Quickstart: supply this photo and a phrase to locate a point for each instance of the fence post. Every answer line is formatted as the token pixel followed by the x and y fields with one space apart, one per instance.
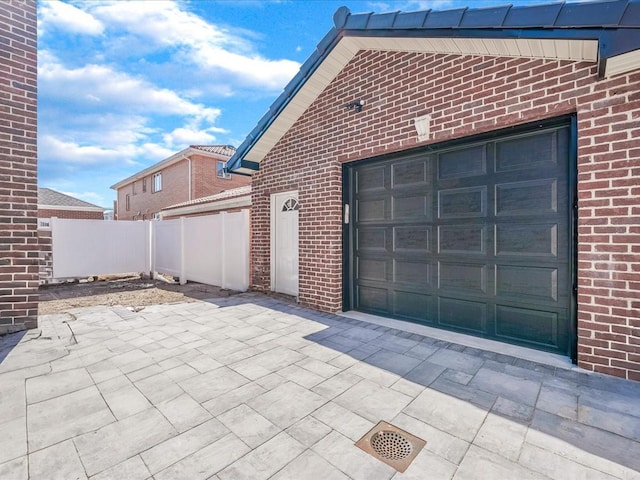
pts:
pixel 183 263
pixel 223 248
pixel 152 250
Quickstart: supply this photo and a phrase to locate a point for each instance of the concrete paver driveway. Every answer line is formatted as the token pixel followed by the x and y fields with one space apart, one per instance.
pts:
pixel 250 387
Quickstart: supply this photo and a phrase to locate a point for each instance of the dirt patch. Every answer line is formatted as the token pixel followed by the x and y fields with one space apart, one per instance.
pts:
pixel 131 291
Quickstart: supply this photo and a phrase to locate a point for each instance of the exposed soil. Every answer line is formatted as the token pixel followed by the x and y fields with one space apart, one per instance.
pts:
pixel 130 291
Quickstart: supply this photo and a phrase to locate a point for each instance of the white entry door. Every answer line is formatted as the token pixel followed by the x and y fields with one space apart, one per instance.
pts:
pixel 284 243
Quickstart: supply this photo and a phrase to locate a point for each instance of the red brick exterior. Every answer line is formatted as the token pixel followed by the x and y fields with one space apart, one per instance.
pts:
pixel 18 165
pixel 467 95
pixel 75 214
pixel 175 187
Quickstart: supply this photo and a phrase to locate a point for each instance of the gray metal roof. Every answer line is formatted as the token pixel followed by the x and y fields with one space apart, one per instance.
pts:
pixel 51 198
pixel 615 25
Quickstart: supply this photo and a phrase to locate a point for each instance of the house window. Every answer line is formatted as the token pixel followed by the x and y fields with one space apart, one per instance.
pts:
pixel 220 170
pixel 144 184
pixel 133 188
pixel 127 203
pixel 290 205
pixel 157 182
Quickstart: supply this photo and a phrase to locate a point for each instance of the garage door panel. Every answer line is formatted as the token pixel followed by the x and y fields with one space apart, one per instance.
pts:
pixel 535 197
pixel 466 162
pixel 371 210
pixel 371 179
pixel 463 278
pixel 372 269
pixel 462 202
pixel 413 239
pixel 462 239
pixel 412 272
pixel 412 306
pixel 373 240
pixel 526 240
pixel 537 327
pixel 409 173
pixel 462 314
pixel 474 238
pixel 526 283
pixel 529 152
pixel 373 299
pixel 411 207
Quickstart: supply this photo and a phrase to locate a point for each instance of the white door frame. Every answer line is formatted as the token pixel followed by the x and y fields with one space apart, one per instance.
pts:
pixel 274 212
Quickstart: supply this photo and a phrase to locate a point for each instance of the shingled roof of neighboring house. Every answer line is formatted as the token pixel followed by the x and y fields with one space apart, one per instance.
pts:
pixel 51 200
pixel 226 150
pixel 606 33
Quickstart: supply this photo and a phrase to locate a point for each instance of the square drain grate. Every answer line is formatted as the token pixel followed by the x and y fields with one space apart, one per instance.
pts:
pixel 391 445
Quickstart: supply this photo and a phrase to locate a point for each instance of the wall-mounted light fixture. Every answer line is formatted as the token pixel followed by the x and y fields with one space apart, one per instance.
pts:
pixel 422 127
pixel 357 105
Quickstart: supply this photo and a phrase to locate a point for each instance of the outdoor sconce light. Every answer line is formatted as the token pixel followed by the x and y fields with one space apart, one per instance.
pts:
pixel 357 105
pixel 422 126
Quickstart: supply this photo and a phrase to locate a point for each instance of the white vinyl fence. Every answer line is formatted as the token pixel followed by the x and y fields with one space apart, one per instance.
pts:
pixel 211 249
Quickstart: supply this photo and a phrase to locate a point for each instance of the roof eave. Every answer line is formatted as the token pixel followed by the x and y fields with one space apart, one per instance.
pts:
pixel 617 32
pixel 167 162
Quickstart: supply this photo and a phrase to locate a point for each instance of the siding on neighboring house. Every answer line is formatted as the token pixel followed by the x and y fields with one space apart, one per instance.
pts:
pixel 19 263
pixel 177 185
pixel 468 95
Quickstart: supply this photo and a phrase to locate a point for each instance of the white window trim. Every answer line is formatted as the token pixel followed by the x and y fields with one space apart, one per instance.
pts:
pixel 222 173
pixel 156 183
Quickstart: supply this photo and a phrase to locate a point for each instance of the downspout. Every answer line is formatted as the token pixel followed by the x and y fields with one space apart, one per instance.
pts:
pixel 188 159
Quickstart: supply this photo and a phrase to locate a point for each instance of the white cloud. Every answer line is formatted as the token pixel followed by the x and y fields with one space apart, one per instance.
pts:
pixel 67 17
pixel 100 86
pixel 70 152
pixel 191 135
pixel 91 197
pixel 193 40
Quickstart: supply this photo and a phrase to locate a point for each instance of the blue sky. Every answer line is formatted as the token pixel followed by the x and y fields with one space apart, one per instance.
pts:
pixel 125 84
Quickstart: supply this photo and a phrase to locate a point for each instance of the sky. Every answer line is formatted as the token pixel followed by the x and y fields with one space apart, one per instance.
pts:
pixel 123 85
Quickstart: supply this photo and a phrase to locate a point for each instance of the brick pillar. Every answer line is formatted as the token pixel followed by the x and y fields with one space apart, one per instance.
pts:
pixel 19 250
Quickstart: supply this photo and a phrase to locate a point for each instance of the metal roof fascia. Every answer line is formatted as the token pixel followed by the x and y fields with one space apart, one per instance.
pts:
pixel 616 42
pixel 323 50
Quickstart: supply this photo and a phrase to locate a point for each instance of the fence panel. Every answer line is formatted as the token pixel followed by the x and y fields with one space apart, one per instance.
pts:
pixel 82 248
pixel 167 247
pixel 211 249
pixel 236 250
pixel 203 254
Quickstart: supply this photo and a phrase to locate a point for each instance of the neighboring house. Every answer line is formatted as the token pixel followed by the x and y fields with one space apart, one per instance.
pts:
pixel 19 161
pixel 232 200
pixel 55 204
pixel 472 169
pixel 195 172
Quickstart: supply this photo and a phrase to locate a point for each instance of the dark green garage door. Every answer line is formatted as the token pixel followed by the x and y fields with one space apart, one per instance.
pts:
pixel 473 238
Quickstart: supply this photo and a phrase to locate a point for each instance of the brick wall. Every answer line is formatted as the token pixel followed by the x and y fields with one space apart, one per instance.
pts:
pixel 205 181
pixel 74 214
pixel 467 95
pixel 18 161
pixel 175 189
